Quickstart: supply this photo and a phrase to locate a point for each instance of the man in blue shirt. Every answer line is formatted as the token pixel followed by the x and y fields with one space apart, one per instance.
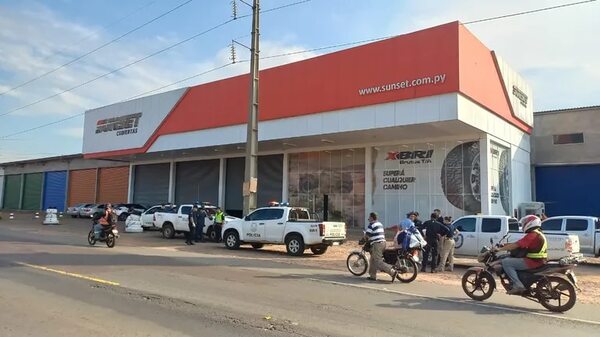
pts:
pixel 376 235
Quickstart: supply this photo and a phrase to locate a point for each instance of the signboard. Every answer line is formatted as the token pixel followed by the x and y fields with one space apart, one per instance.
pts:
pixel 424 177
pixel 500 183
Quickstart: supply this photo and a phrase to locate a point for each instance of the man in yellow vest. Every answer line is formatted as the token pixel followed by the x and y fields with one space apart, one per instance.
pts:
pixel 534 244
pixel 219 220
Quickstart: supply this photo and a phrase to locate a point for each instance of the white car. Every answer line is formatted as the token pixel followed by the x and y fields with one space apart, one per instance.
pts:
pixel 74 210
pixel 123 210
pixel 174 220
pixel 283 225
pixel 587 228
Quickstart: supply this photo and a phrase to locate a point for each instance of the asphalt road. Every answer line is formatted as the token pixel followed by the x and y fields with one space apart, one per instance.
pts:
pixel 53 284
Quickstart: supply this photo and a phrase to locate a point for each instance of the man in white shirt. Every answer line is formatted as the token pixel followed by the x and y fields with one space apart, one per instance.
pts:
pixel 376 235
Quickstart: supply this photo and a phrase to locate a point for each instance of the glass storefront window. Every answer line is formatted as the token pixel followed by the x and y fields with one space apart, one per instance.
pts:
pixel 339 174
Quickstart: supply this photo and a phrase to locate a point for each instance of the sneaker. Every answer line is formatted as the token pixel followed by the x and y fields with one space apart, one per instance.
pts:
pixel 371 278
pixel 516 291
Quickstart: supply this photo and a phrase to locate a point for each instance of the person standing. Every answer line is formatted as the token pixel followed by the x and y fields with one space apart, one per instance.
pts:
pixel 189 236
pixel 440 218
pixel 433 231
pixel 200 219
pixel 219 220
pixel 376 236
pixel 447 246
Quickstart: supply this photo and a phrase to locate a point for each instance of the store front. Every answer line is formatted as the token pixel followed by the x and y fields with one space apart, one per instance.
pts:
pixel 439 127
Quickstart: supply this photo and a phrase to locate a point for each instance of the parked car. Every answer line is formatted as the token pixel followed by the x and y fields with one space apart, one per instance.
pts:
pixel 174 220
pixel 587 228
pixel 284 225
pixel 475 231
pixel 74 210
pixel 123 210
pixel 87 211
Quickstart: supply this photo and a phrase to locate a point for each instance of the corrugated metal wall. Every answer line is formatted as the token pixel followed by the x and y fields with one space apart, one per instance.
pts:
pixel 12 191
pixel 82 186
pixel 197 181
pixel 234 180
pixel 568 190
pixel 113 185
pixel 32 191
pixel 151 184
pixel 55 190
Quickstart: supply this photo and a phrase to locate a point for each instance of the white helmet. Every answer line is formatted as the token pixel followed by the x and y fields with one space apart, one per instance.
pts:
pixel 530 222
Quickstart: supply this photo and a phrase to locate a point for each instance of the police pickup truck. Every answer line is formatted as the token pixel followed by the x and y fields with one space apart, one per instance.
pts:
pixel 282 224
pixel 475 231
pixel 174 219
pixel 587 228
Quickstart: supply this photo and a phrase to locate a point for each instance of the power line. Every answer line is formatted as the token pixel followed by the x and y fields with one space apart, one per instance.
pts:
pixel 96 49
pixel 528 12
pixel 145 58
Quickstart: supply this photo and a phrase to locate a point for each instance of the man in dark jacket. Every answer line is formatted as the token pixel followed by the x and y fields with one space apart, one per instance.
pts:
pixel 433 232
pixel 189 236
pixel 200 218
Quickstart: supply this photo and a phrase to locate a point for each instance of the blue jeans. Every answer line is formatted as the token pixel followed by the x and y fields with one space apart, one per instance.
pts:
pixel 510 266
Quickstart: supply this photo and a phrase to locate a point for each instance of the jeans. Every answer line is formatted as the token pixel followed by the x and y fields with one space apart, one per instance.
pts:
pixel 510 266
pixel 218 228
pixel 376 262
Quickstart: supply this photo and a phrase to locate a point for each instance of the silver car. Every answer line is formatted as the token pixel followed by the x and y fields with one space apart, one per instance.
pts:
pixel 88 210
pixel 74 210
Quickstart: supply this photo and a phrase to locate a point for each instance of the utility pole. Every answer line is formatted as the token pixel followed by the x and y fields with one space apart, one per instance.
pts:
pixel 251 172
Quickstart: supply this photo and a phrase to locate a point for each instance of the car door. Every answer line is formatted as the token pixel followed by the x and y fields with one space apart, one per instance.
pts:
pixel 581 228
pixel 491 228
pixel 466 239
pixel 148 216
pixel 183 218
pixel 254 225
pixel 275 225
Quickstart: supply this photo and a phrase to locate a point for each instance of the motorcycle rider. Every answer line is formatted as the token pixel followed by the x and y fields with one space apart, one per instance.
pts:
pixel 534 244
pixel 103 219
pixel 376 235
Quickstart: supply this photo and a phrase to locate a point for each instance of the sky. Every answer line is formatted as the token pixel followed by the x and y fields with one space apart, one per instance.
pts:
pixel 555 51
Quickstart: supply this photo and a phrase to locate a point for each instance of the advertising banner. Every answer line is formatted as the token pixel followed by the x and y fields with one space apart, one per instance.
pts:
pixel 423 177
pixel 500 183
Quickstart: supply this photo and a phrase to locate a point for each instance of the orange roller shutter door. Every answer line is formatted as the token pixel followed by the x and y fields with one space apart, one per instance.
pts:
pixel 113 185
pixel 82 186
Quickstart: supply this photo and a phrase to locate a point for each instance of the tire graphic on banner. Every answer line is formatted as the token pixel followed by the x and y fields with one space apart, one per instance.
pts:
pixel 504 179
pixel 459 240
pixel 461 177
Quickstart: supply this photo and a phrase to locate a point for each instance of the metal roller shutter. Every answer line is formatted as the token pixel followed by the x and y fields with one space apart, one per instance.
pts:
pixel 569 196
pixel 32 191
pixel 270 179
pixel 113 185
pixel 197 181
pixel 82 186
pixel 151 184
pixel 55 190
pixel 12 191
pixel 234 180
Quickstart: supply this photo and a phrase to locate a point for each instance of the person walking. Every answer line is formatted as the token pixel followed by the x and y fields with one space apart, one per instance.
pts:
pixel 433 231
pixel 376 236
pixel 219 220
pixel 200 219
pixel 447 246
pixel 189 236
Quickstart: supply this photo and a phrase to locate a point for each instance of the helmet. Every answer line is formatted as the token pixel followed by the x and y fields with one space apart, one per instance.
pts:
pixel 530 222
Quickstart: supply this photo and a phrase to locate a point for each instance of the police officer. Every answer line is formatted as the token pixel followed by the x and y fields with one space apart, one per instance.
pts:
pixel 189 236
pixel 200 218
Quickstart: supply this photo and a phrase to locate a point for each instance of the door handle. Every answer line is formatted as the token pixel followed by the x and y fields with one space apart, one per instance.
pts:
pixel 261 223
pixel 280 223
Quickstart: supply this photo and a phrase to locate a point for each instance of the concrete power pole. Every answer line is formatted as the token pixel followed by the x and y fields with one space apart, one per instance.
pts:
pixel 251 173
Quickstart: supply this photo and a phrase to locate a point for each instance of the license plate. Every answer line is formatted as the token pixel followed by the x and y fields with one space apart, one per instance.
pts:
pixel 336 243
pixel 334 233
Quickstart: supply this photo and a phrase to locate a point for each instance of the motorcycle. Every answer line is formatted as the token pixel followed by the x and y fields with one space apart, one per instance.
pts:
pixel 552 285
pixel 107 234
pixel 405 261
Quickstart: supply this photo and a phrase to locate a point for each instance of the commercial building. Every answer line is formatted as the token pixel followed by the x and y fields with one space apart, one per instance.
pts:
pixel 567 160
pixel 430 119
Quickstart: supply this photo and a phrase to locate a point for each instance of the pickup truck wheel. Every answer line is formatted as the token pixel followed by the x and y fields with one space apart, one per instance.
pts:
pixel 257 245
pixel 232 240
pixel 212 235
pixel 168 231
pixel 294 245
pixel 319 250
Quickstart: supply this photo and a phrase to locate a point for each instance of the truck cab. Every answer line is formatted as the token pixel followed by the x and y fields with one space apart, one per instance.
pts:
pixel 585 227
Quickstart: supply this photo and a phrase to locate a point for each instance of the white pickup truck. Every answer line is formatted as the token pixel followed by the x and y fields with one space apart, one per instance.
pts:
pixel 291 226
pixel 587 228
pixel 475 231
pixel 174 220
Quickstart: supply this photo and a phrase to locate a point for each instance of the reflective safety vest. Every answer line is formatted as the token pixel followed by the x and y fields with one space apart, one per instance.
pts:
pixel 219 217
pixel 542 253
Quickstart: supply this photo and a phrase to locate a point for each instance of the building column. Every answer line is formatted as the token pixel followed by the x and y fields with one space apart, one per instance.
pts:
pixel 96 186
pixel 22 191
pixel 484 174
pixel 222 182
pixel 172 182
pixel 368 182
pixel 1 188
pixel 131 184
pixel 285 182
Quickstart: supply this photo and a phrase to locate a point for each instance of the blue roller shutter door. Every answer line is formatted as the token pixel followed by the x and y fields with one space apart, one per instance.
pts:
pixel 55 190
pixel 568 190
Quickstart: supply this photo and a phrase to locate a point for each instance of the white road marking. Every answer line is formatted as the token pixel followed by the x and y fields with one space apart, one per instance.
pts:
pixel 485 305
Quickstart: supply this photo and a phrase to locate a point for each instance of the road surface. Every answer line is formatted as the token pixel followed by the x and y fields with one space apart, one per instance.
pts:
pixel 53 284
